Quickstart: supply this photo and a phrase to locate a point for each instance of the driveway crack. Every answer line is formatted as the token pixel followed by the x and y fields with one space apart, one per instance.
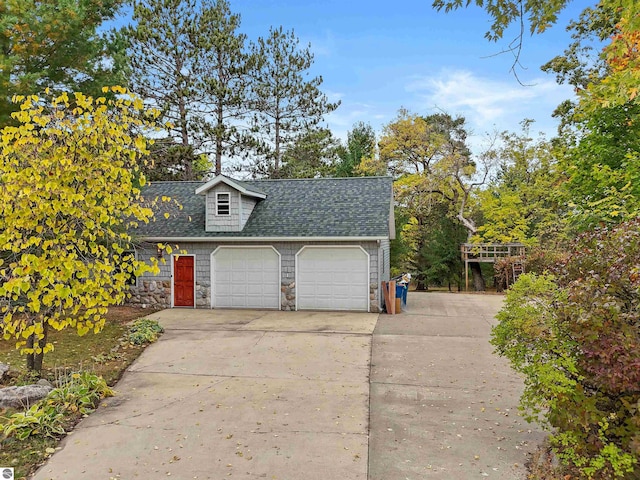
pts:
pixel 166 405
pixel 261 337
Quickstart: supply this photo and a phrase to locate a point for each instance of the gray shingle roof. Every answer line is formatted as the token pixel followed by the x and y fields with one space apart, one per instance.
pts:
pixel 325 207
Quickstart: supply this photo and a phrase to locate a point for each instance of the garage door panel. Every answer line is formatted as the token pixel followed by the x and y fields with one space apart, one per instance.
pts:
pixel 223 289
pixel 224 277
pixel 239 277
pixel 333 279
pixel 246 278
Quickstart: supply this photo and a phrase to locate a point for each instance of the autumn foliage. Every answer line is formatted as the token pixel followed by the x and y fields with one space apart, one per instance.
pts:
pixel 69 188
pixel 575 334
pixel 623 58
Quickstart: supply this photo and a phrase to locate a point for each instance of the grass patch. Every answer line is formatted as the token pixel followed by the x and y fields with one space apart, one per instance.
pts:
pixel 106 354
pixel 92 352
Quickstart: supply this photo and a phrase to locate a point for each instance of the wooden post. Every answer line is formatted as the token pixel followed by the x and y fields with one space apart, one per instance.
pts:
pixel 466 275
pixel 385 292
pixel 392 297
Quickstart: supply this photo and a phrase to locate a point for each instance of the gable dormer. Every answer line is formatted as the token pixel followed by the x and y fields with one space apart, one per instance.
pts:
pixel 228 204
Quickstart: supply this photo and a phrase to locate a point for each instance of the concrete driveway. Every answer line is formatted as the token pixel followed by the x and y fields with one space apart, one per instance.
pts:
pixel 234 394
pixel 442 404
pixel 304 396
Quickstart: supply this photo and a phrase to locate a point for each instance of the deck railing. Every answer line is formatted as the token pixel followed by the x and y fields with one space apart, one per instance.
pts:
pixel 488 252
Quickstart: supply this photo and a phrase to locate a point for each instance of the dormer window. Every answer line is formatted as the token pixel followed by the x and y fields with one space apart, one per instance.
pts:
pixel 228 204
pixel 223 201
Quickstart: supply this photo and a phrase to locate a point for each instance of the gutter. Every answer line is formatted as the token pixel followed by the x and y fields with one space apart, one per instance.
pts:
pixel 263 239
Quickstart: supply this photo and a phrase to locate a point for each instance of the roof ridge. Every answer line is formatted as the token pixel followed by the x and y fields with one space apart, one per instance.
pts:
pixel 372 177
pixel 314 179
pixel 149 182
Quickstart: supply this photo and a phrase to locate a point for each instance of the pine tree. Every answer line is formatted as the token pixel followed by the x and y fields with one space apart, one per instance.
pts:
pixel 226 80
pixel 188 60
pixel 166 70
pixel 285 101
pixel 55 45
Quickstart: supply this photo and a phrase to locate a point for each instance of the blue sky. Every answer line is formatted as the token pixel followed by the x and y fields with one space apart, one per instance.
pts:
pixel 379 56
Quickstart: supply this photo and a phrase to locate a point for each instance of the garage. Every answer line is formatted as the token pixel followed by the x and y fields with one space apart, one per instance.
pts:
pixel 332 278
pixel 245 277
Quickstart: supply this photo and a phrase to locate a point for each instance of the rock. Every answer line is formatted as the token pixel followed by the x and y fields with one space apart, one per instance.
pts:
pixel 24 396
pixel 4 369
pixel 44 382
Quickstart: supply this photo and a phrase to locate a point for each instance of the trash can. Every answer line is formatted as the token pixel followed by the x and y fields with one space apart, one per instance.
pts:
pixel 401 292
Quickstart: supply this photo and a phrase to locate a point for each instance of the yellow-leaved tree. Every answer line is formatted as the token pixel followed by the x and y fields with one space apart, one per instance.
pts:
pixel 69 189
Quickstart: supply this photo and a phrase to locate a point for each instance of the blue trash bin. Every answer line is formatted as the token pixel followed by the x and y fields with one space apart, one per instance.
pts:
pixel 401 292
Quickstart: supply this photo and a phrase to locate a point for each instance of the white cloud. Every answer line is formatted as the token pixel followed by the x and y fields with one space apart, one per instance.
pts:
pixel 322 45
pixel 333 96
pixel 341 120
pixel 488 103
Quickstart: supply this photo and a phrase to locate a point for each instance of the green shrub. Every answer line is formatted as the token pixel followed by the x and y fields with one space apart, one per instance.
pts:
pixel 144 331
pixel 79 394
pixel 574 333
pixel 27 377
pixel 40 419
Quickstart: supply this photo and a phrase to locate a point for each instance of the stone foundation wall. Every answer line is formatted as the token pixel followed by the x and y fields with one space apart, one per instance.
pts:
pixel 151 293
pixel 203 296
pixel 288 296
pixel 374 306
pixel 157 293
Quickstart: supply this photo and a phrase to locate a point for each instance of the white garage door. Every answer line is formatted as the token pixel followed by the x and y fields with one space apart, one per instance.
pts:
pixel 245 278
pixel 332 278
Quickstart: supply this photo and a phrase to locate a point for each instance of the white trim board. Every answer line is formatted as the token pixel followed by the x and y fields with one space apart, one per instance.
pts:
pixel 221 239
pixel 222 179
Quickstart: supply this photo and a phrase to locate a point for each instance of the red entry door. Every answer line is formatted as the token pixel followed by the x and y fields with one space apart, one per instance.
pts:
pixel 183 281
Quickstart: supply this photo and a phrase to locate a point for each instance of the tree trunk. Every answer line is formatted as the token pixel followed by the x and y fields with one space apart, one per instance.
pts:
pixel 34 360
pixel 220 128
pixel 421 285
pixel 219 135
pixel 276 160
pixel 38 357
pixel 30 356
pixel 478 279
pixel 184 133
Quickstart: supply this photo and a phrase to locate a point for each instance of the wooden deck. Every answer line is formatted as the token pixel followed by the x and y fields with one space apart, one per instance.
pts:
pixel 487 253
